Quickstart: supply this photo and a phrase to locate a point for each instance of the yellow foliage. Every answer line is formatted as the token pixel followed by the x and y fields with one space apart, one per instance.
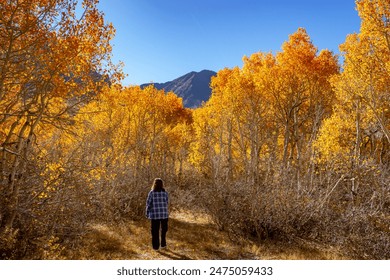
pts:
pixel 135 127
pixel 268 107
pixel 334 143
pixel 365 78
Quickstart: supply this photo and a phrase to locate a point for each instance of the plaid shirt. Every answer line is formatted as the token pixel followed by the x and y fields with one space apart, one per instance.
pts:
pixel 157 205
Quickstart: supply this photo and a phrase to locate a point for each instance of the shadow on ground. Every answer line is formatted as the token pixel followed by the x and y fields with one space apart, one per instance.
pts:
pixel 189 237
pixel 169 254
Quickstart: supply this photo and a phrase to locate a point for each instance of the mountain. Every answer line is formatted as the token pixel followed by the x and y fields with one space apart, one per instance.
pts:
pixel 193 87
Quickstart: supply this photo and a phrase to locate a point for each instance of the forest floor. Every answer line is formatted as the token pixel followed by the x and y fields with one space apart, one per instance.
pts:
pixel 189 237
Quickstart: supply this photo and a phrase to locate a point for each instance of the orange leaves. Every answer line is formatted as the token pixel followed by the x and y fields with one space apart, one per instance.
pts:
pixel 298 52
pixel 363 86
pixel 362 91
pixel 333 143
pixel 375 17
pixel 50 62
pixel 272 98
pixel 136 127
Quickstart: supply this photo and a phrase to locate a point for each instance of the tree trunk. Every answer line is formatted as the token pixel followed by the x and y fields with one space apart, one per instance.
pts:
pixel 286 142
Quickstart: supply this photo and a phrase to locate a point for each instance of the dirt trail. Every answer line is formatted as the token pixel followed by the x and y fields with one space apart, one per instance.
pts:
pixel 190 237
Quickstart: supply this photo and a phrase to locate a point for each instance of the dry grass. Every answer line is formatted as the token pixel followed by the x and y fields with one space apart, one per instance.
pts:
pixel 190 237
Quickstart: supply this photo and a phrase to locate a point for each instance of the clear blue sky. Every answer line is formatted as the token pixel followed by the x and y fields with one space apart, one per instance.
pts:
pixel 160 40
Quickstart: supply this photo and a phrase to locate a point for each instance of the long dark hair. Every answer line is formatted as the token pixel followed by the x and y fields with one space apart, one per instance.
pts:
pixel 158 185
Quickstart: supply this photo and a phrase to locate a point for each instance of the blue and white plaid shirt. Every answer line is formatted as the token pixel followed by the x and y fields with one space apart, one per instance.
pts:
pixel 157 205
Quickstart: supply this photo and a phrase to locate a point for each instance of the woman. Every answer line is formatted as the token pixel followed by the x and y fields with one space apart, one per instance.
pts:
pixel 157 212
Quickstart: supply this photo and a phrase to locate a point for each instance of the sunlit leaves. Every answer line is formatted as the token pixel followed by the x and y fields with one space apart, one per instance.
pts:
pixel 134 128
pixel 271 108
pixel 51 61
pixel 362 89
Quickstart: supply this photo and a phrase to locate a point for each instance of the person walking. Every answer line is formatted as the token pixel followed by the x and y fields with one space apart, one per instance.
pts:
pixel 157 212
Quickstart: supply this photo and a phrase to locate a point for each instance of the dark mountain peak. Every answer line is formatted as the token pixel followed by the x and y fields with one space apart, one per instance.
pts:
pixel 193 87
pixel 206 72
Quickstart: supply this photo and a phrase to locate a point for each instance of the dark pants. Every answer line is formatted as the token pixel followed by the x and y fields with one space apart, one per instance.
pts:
pixel 156 225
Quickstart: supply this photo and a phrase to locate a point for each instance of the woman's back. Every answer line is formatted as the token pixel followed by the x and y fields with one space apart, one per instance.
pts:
pixel 157 205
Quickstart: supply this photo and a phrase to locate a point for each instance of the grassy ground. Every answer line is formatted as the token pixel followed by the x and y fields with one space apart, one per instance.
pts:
pixel 190 237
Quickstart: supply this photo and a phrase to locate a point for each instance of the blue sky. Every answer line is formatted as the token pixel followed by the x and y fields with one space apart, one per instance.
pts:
pixel 160 40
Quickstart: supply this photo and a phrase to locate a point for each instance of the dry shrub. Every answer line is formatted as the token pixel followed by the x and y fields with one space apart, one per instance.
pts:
pixel 51 218
pixel 186 191
pixel 8 239
pixel 326 213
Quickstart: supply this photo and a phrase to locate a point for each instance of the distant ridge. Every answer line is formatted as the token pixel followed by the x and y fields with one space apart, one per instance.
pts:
pixel 193 87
